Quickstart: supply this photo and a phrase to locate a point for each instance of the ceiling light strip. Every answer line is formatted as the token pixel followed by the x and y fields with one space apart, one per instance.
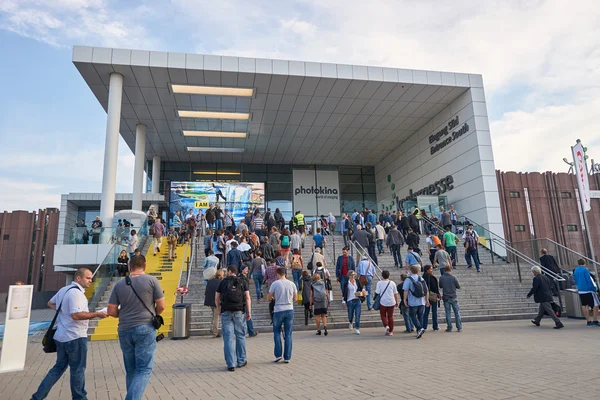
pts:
pixel 213 90
pixel 215 173
pixel 213 115
pixel 217 149
pixel 215 134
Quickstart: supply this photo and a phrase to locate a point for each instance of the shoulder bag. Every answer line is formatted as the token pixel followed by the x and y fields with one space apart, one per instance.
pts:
pixel 310 264
pixel 377 298
pixel 48 341
pixel 363 278
pixel 157 320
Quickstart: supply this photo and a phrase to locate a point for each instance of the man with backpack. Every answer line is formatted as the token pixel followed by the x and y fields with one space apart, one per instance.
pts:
pixel 172 238
pixel 232 295
pixel 471 251
pixel 416 297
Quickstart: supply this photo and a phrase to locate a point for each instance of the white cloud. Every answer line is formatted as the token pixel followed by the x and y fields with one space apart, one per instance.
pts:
pixel 539 140
pixel 63 22
pixel 26 195
pixel 546 51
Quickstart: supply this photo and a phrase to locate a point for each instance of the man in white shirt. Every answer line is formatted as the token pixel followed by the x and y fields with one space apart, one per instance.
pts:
pixel 380 236
pixel 71 335
pixel 132 243
pixel 295 240
pixel 285 294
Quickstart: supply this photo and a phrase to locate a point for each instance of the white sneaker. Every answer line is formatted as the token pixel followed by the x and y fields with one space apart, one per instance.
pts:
pixel 357 332
pixel 350 325
pixel 277 359
pixel 387 330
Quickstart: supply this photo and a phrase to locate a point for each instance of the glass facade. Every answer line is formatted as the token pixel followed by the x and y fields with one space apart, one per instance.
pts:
pixel 357 183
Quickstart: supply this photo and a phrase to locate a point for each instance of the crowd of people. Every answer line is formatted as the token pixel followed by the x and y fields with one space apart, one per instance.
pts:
pixel 264 253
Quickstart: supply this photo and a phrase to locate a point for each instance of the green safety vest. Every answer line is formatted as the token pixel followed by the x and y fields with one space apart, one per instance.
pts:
pixel 300 219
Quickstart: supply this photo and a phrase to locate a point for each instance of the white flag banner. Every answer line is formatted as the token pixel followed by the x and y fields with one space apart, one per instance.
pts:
pixel 582 176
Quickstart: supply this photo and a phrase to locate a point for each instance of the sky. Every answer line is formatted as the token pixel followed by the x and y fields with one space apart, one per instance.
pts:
pixel 540 61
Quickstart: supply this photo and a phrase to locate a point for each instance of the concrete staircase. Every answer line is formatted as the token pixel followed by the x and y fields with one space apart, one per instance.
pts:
pixel 493 294
pixel 168 274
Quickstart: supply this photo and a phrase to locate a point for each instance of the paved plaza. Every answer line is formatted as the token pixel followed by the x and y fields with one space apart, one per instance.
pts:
pixel 488 360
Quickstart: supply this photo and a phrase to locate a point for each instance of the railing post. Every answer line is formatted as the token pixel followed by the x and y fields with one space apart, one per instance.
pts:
pixel 519 270
pixel 492 249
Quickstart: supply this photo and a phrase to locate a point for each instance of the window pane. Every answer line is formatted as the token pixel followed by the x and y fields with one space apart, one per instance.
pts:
pixel 350 179
pixel 279 187
pixel 346 189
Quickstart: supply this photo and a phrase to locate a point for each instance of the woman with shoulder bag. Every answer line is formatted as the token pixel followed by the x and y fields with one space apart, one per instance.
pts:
pixel 353 294
pixel 386 294
pixel 434 298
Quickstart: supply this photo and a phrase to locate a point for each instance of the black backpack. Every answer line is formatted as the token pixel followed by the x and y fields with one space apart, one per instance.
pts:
pixel 233 298
pixel 419 288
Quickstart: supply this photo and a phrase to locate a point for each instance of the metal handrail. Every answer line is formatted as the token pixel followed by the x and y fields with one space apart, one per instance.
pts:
pixel 361 250
pixel 509 248
pixel 562 247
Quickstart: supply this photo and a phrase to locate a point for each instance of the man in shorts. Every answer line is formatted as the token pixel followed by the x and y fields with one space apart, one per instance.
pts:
pixel 588 292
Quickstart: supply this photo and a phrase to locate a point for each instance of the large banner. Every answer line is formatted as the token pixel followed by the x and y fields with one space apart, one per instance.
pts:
pixel 237 197
pixel 305 199
pixel 328 196
pixel 582 175
pixel 316 193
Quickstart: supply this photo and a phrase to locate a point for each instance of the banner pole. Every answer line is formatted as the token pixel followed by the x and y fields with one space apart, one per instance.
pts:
pixel 591 254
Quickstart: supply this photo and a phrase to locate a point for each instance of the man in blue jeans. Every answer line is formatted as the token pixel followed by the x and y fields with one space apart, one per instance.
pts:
pixel 416 298
pixel 71 336
pixel 232 295
pixel 140 298
pixel 366 267
pixel 285 294
pixel 449 284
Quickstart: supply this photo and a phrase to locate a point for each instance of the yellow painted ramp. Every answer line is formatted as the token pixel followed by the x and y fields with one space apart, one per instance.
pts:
pixel 169 281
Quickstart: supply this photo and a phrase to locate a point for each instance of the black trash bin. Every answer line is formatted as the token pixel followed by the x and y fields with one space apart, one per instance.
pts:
pixel 182 315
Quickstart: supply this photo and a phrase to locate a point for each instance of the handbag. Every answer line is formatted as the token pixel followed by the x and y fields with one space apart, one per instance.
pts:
pixel 377 298
pixel 433 297
pixel 310 263
pixel 363 278
pixel 157 320
pixel 300 298
pixel 48 341
pixel 220 245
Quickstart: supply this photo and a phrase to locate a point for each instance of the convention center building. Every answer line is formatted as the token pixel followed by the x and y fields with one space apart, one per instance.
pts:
pixel 317 137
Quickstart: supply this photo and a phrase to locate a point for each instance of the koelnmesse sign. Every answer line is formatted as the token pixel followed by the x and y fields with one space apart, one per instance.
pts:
pixel 447 134
pixel 435 189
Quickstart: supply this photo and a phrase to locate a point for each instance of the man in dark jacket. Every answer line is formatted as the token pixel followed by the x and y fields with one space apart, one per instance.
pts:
pixel 403 225
pixel 413 221
pixel 209 301
pixel 549 262
pixel 395 241
pixel 362 237
pixel 234 256
pixel 542 294
pixel 343 265
pixel 412 240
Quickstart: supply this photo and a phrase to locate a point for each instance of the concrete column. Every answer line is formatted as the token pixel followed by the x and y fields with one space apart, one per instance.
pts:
pixel 111 149
pixel 156 179
pixel 155 174
pixel 138 167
